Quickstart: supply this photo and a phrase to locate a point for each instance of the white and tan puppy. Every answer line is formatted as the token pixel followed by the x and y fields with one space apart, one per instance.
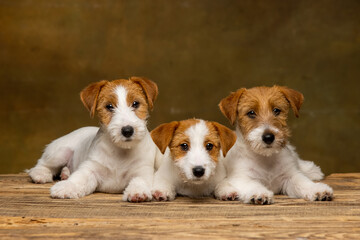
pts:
pixel 117 157
pixel 262 162
pixel 192 165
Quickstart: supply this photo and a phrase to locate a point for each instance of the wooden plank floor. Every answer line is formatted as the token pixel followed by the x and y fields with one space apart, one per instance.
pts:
pixel 27 212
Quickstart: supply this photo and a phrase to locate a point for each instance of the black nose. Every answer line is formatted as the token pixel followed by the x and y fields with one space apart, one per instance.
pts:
pixel 127 131
pixel 198 171
pixel 268 138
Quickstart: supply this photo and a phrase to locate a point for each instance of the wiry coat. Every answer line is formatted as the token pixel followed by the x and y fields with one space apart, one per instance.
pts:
pixel 262 162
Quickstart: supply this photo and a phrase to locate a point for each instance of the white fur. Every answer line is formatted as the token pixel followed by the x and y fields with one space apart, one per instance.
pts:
pixel 256 178
pixel 102 159
pixel 176 177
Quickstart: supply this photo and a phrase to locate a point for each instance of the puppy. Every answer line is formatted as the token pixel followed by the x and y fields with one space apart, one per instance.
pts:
pixel 192 164
pixel 262 162
pixel 119 156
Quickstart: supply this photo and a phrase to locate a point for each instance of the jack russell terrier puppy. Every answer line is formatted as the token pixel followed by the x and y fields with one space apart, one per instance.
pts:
pixel 262 162
pixel 117 157
pixel 192 165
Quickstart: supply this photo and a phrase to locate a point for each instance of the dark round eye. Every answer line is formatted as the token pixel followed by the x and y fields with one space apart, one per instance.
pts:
pixel 276 111
pixel 251 114
pixel 184 146
pixel 135 104
pixel 209 146
pixel 110 107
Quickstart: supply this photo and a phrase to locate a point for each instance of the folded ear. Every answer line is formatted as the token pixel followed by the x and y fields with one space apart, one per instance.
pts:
pixel 149 87
pixel 163 134
pixel 89 96
pixel 228 105
pixel 227 137
pixel 295 98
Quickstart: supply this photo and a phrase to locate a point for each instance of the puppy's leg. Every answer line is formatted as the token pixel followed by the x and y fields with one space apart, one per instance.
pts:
pixel 139 188
pixel 81 183
pixel 164 183
pixel 250 191
pixel 50 163
pixel 300 186
pixel 310 170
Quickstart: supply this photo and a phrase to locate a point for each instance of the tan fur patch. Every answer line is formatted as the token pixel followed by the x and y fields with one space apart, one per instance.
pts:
pixel 89 96
pixel 180 137
pixel 228 105
pixel 135 93
pixel 163 134
pixel 107 96
pixel 227 137
pixel 149 88
pixel 213 138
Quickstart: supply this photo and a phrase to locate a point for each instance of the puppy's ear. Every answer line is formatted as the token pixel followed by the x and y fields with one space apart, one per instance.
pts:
pixel 228 105
pixel 149 87
pixel 89 96
pixel 163 134
pixel 227 137
pixel 295 98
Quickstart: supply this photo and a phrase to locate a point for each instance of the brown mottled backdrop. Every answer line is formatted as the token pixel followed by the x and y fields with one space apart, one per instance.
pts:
pixel 196 50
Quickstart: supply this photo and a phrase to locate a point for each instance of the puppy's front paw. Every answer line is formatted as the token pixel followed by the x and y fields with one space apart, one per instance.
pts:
pixel 230 196
pixel 161 195
pixel 226 192
pixel 260 198
pixel 321 192
pixel 137 191
pixel 40 175
pixel 137 197
pixel 324 196
pixel 65 189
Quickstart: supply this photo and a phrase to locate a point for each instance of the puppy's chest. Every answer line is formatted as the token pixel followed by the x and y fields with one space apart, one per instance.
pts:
pixel 270 175
pixel 194 190
pixel 118 174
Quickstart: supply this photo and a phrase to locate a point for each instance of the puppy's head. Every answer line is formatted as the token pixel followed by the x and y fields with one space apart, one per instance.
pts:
pixel 195 146
pixel 122 106
pixel 261 114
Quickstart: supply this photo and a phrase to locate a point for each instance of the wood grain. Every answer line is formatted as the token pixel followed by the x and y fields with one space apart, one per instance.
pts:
pixel 27 212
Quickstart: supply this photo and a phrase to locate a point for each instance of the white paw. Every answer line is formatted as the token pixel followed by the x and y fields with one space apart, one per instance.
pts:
pixel 321 192
pixel 40 174
pixel 226 193
pixel 136 196
pixel 232 196
pixel 163 195
pixel 137 191
pixel 259 198
pixel 66 189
